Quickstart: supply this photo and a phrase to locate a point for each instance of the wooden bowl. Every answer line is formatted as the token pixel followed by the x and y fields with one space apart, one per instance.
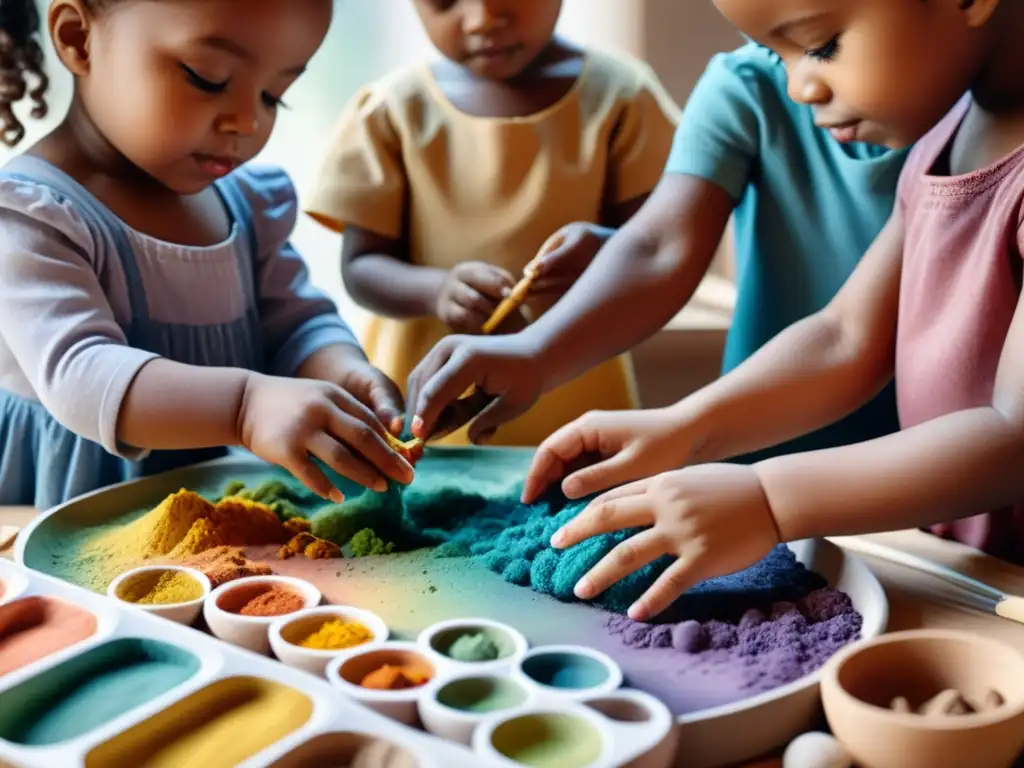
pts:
pixel 859 684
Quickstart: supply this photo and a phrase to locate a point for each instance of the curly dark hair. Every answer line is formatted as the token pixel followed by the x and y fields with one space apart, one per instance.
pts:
pixel 21 59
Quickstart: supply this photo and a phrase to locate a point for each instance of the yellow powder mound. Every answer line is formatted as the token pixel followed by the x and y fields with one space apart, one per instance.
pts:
pixel 185 524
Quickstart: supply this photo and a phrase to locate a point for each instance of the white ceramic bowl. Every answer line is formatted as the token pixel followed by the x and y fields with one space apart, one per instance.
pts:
pixel 568 672
pixel 454 707
pixel 183 613
pixel 346 672
pixel 585 736
pixel 288 631
pixel 437 639
pixel 251 632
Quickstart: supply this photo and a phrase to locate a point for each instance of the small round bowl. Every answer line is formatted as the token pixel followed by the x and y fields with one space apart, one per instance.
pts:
pixel 346 672
pixel 569 737
pixel 437 640
pixel 860 682
pixel 454 708
pixel 288 631
pixel 183 613
pixel 251 632
pixel 568 672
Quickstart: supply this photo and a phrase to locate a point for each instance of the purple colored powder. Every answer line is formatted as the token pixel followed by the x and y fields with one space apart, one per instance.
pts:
pixel 730 661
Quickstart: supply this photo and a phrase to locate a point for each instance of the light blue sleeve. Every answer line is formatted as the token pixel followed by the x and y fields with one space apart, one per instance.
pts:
pixel 298 319
pixel 719 134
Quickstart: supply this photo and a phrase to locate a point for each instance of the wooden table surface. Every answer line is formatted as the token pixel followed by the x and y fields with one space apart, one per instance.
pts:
pixel 915 600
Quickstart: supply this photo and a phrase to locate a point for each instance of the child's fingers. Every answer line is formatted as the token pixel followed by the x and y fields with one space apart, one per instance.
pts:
pixel 606 517
pixel 338 457
pixel 548 466
pixel 473 300
pixel 489 280
pixel 386 402
pixel 307 473
pixel 366 437
pixel 499 411
pixel 611 472
pixel 442 378
pixel 629 556
pixel 666 589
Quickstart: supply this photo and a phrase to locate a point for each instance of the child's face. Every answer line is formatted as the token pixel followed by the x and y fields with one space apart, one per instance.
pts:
pixel 495 39
pixel 878 71
pixel 188 89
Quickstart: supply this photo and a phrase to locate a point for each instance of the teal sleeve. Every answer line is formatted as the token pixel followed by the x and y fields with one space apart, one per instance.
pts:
pixel 719 135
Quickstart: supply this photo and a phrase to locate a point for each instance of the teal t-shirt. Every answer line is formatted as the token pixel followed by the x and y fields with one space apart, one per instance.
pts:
pixel 807 209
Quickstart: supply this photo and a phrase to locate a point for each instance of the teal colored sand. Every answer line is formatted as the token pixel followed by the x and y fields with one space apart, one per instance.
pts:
pixel 465 503
pixel 86 692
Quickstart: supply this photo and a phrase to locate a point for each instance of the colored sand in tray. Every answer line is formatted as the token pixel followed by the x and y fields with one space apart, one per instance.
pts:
pixel 218 726
pixel 482 694
pixel 761 652
pixel 87 691
pixel 548 741
pixel 33 628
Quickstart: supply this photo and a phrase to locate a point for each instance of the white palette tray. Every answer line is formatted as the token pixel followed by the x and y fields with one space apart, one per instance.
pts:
pixel 336 721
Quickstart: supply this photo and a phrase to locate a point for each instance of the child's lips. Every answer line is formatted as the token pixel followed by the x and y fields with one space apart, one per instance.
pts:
pixel 217 165
pixel 844 133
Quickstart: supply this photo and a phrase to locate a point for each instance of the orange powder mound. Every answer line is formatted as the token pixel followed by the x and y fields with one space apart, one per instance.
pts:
pixel 305 543
pixel 184 524
pixel 223 564
pixel 393 678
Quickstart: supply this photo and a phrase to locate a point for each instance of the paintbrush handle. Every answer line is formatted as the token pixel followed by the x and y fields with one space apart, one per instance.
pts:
pixel 1011 607
pixel 883 552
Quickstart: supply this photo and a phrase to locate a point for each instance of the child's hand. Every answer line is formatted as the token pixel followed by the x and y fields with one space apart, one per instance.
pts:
pixel 289 421
pixel 714 518
pixel 470 294
pixel 629 445
pixel 504 366
pixel 576 246
pixel 347 366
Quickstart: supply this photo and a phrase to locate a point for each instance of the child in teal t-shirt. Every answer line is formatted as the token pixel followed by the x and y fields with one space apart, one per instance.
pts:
pixel 805 208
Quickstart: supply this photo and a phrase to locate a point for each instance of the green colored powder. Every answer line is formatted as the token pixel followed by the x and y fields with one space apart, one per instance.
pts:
pixel 482 694
pixel 366 543
pixel 87 691
pixel 548 741
pixel 476 646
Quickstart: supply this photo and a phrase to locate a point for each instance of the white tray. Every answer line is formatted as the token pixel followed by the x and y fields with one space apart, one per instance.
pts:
pixel 626 743
pixel 718 736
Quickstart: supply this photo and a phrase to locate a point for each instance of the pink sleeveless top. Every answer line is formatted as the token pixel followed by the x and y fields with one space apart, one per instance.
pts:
pixel 960 284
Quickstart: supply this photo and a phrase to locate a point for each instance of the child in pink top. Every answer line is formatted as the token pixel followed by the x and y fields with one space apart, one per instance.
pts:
pixel 936 301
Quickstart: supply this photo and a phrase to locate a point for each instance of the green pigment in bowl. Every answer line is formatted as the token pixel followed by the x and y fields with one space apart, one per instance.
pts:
pixel 474 644
pixel 88 691
pixel 548 741
pixel 482 694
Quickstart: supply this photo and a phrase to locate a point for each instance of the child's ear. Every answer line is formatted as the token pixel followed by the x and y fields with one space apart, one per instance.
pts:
pixel 70 24
pixel 978 12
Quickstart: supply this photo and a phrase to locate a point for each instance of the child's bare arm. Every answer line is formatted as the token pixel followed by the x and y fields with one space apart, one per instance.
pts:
pixel 379 277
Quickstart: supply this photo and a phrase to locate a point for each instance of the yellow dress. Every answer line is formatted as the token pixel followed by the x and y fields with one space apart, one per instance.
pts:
pixel 404 161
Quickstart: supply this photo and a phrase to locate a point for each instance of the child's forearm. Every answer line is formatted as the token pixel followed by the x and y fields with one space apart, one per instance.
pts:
pixel 806 378
pixel 390 287
pixel 641 278
pixel 955 466
pixel 172 406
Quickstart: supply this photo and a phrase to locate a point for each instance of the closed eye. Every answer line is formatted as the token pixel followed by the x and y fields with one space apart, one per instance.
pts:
pixel 204 85
pixel 826 52
pixel 273 102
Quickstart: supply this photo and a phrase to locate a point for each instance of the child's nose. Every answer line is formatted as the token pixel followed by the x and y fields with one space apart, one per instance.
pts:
pixel 807 87
pixel 239 122
pixel 481 16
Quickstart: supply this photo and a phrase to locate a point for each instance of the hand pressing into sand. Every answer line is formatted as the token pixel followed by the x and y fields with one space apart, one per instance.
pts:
pixel 615 447
pixel 289 421
pixel 714 519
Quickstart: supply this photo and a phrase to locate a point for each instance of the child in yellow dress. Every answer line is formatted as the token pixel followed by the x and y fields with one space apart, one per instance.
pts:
pixel 447 178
